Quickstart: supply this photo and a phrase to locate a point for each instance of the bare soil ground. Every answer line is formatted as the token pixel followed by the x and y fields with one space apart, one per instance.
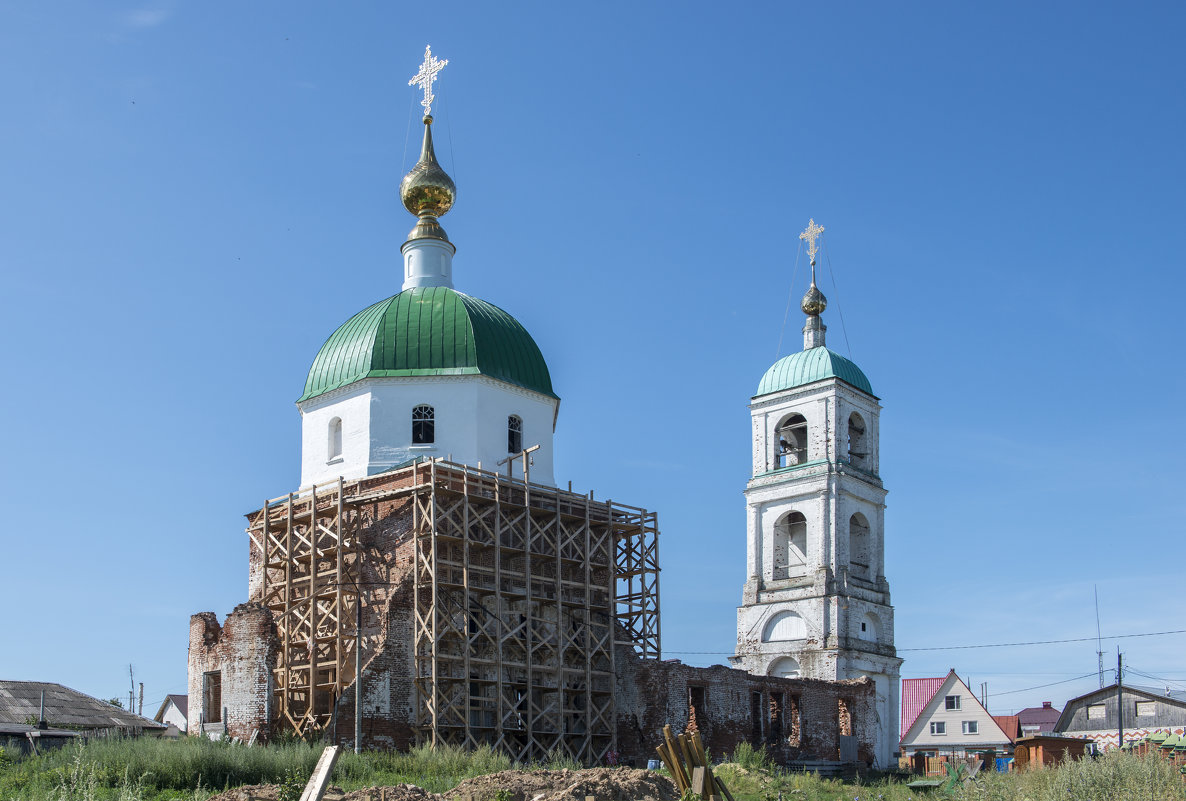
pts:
pixel 604 784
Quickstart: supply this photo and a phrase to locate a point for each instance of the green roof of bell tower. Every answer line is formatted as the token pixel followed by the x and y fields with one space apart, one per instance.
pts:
pixel 808 366
pixel 429 331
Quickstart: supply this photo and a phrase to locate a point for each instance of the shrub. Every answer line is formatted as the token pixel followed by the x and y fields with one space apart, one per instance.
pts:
pixel 751 758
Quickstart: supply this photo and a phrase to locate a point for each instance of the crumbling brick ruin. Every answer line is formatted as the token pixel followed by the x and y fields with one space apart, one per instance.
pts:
pixel 492 611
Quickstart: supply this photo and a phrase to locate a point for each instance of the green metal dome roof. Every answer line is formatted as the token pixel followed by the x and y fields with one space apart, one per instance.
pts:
pixel 429 331
pixel 806 366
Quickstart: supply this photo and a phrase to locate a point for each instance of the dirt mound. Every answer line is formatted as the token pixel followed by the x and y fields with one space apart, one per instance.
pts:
pixel 250 792
pixel 604 784
pixel 271 792
pixel 400 792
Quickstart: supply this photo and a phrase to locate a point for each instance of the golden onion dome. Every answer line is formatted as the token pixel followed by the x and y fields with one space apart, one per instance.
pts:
pixel 427 191
pixel 814 301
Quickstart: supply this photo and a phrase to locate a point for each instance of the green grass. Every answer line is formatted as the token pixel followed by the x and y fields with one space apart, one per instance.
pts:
pixel 192 769
pixel 148 769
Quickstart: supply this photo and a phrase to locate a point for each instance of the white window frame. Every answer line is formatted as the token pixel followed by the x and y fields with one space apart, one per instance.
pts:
pixel 1150 706
pixel 971 727
pixel 938 728
pixel 951 702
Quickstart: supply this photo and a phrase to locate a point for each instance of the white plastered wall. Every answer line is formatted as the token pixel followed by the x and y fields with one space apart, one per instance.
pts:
pixel 470 412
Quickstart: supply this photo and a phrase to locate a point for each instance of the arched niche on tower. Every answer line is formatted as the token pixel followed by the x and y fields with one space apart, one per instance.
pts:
pixel 857 441
pixel 784 668
pixel 867 627
pixel 857 429
pixel 784 626
pixel 790 441
pixel 860 546
pixel 789 553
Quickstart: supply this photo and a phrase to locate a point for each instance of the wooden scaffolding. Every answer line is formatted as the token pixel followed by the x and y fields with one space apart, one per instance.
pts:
pixel 310 557
pixel 521 593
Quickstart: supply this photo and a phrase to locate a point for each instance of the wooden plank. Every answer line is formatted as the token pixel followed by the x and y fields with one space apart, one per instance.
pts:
pixel 672 768
pixel 698 778
pixel 669 739
pixel 319 781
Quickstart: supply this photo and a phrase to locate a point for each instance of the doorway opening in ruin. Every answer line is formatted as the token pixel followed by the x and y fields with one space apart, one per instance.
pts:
pixel 755 713
pixel 776 711
pixel 212 697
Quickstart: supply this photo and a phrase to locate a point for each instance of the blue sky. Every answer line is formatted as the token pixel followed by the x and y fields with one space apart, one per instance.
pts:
pixel 195 196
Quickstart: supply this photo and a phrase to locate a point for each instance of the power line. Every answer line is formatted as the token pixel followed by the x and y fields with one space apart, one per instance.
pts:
pixel 1042 686
pixel 989 645
pixel 1044 642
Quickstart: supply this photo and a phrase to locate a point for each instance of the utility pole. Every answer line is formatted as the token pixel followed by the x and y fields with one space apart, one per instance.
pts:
pixel 1099 648
pixel 1120 694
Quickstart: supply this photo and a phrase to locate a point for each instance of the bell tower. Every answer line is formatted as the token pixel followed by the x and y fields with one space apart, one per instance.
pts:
pixel 816 602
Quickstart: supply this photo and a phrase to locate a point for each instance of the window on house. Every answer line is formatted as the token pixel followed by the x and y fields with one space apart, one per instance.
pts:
pixel 938 727
pixel 858 545
pixel 423 425
pixel 951 702
pixel 790 441
pixel 335 438
pixel 971 727
pixel 514 434
pixel 858 449
pixel 1146 709
pixel 212 696
pixel 1097 712
pixel 790 546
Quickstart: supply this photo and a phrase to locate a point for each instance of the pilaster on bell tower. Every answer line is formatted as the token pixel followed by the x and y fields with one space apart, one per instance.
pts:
pixel 816 602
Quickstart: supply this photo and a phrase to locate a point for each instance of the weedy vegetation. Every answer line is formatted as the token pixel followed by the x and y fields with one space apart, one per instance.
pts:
pixel 193 769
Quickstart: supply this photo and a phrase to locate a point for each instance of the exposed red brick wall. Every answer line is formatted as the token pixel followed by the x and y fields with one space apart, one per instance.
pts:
pixel 244 650
pixel 653 693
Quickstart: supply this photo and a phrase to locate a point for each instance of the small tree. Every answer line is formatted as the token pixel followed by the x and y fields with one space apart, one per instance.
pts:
pixel 116 702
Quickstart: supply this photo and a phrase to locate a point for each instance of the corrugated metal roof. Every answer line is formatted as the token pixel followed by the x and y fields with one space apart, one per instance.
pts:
pixel 429 331
pixel 916 694
pixel 807 366
pixel 21 700
pixel 1010 724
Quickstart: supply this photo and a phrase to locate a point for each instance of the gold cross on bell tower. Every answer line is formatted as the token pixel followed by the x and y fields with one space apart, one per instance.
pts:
pixel 810 235
pixel 427 74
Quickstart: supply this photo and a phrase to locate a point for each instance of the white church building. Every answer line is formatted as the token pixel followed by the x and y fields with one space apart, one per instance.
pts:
pixel 430 372
pixel 816 603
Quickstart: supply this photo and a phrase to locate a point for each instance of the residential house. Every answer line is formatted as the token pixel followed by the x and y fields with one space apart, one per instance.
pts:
pixel 174 712
pixel 32 703
pixel 1038 719
pixel 1140 711
pixel 953 722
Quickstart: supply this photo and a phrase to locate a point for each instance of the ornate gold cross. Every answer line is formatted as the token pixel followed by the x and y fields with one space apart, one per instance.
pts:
pixel 425 77
pixel 809 235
